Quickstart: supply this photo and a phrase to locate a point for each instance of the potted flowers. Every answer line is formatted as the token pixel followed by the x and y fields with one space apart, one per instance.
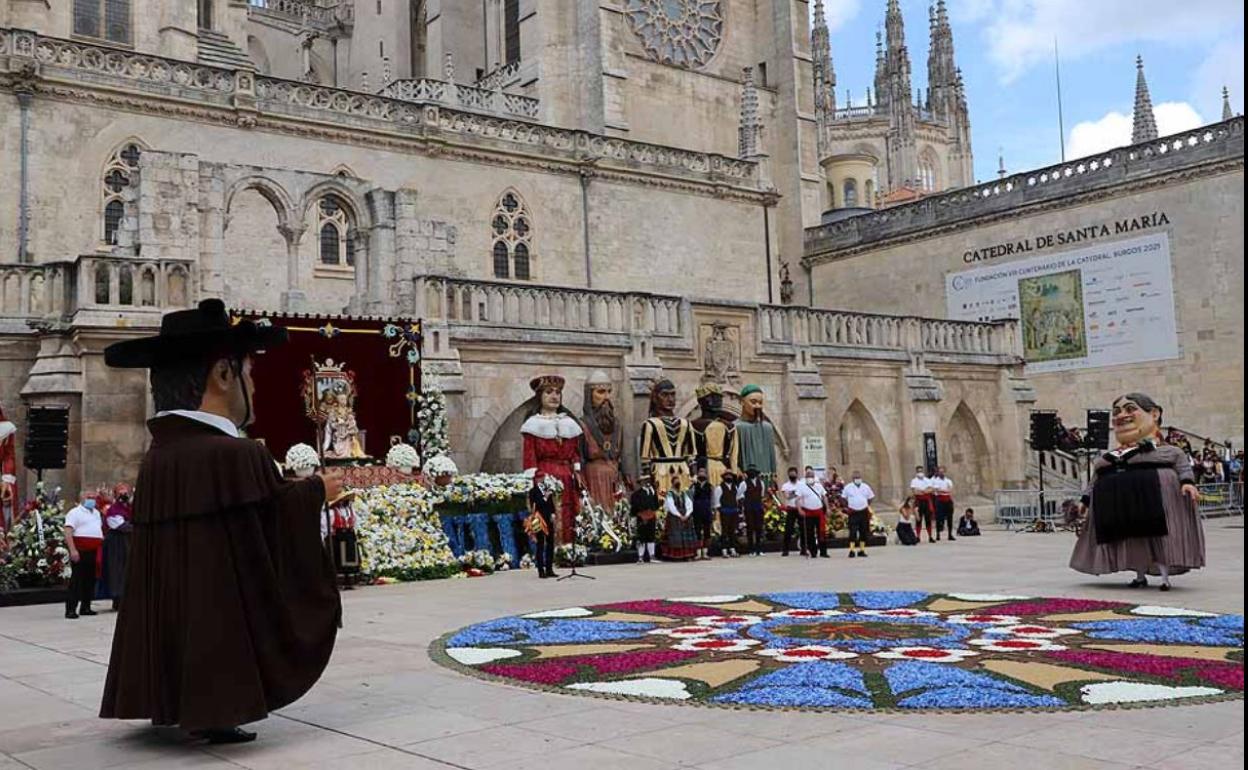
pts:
pixel 302 460
pixel 442 469
pixel 402 457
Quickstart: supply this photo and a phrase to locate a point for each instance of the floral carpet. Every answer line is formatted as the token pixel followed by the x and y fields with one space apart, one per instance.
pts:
pixel 903 650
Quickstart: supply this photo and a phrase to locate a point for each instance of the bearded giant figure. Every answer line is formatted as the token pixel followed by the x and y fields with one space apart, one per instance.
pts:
pixel 604 435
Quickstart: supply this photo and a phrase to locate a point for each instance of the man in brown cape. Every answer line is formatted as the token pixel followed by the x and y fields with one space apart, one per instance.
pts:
pixel 231 608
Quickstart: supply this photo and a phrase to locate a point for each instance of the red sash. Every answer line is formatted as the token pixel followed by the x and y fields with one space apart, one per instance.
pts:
pixel 91 544
pixel 808 512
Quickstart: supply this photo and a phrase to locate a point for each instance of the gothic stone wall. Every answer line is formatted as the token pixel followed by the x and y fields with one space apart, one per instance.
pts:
pixel 704 245
pixel 1202 392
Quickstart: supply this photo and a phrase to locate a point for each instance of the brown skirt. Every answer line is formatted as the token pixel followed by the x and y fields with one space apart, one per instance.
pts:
pixel 1182 548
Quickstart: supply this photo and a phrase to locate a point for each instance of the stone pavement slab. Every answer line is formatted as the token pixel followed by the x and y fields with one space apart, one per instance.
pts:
pixel 384 704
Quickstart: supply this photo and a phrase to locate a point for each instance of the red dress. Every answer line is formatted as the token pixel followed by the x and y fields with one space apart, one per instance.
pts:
pixel 552 445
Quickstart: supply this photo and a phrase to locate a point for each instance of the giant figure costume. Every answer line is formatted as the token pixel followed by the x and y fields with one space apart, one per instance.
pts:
pixel 230 609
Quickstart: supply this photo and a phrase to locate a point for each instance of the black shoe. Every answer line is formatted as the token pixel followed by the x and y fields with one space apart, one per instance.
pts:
pixel 851 554
pixel 225 735
pixel 542 574
pixel 1138 583
pixel 823 555
pixel 863 554
pixel 1164 587
pixel 87 612
pixel 929 539
pixel 784 553
pixel 71 615
pixel 952 538
pixel 552 574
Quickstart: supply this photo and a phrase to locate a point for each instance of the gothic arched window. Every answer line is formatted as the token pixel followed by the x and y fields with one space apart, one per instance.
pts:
pixel 868 190
pixel 103 19
pixel 850 193
pixel 511 230
pixel 511 31
pixel 336 232
pixel 118 175
pixel 928 178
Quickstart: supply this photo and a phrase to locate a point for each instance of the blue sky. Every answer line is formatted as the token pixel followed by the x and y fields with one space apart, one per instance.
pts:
pixel 1191 48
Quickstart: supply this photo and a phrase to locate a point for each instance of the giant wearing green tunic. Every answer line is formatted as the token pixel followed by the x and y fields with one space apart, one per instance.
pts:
pixel 756 436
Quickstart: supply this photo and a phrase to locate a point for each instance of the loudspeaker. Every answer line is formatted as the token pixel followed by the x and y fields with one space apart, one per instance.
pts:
pixel 1098 429
pixel 1043 431
pixel 47 437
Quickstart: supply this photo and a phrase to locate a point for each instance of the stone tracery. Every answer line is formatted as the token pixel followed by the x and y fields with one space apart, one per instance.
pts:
pixel 683 33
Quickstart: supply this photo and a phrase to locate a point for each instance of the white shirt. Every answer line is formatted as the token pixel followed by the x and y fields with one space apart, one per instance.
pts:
pixel 717 497
pixel 670 505
pixel 810 494
pixel 85 522
pixel 790 491
pixel 859 495
pixel 942 486
pixel 207 418
pixel 921 485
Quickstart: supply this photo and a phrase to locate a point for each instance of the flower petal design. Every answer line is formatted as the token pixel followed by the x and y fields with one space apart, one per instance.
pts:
pixel 799 613
pixel 713 644
pixel 475 656
pixel 1139 692
pixel 988 597
pixel 716 599
pixel 899 612
pixel 728 621
pixel 1029 631
pixel 1170 612
pixel 926 654
pixel 569 612
pixel 806 654
pixel 648 687
pixel 1014 644
pixel 692 632
pixel 984 619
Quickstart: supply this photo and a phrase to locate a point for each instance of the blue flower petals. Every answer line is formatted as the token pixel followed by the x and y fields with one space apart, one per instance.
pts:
pixel 888 600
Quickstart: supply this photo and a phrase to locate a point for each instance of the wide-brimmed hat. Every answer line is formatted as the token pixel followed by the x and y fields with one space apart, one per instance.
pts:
pixel 186 334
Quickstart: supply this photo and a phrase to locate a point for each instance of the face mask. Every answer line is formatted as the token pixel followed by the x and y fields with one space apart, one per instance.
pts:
pixel 857 481
pixel 88 504
pixel 792 477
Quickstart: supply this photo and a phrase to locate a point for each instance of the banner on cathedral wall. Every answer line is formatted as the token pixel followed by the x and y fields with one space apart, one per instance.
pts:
pixel 1103 305
pixel 815 453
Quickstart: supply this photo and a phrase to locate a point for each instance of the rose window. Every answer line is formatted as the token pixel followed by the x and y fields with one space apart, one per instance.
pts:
pixel 683 33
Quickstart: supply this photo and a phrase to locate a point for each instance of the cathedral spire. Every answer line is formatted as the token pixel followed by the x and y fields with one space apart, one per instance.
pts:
pixel 825 75
pixel 1226 104
pixel 941 70
pixel 881 76
pixel 1143 124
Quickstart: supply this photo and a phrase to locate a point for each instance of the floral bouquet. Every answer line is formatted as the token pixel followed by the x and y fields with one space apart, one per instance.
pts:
pixel 403 456
pixel 34 552
pixel 571 555
pixel 302 460
pixel 481 562
pixel 773 518
pixel 502 562
pixel 442 468
pixel 526 561
pixel 431 422
pixel 550 485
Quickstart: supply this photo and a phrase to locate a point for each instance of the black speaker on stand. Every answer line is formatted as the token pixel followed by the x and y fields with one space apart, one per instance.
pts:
pixel 1097 437
pixel 1044 426
pixel 47 438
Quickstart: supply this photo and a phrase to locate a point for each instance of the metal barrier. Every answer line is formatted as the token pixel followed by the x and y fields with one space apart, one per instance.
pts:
pixel 1021 507
pixel 1221 500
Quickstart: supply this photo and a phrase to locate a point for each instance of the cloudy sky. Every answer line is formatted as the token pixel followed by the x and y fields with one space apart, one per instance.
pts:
pixel 1191 48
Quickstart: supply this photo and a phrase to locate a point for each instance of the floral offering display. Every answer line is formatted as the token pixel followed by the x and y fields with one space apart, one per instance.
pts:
pixel 302 458
pixel 33 553
pixel 865 650
pixel 431 422
pixel 483 493
pixel 403 456
pixel 571 555
pixel 440 465
pixel 400 535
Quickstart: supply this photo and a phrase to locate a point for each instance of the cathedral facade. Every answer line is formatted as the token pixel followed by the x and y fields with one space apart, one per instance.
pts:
pixel 566 185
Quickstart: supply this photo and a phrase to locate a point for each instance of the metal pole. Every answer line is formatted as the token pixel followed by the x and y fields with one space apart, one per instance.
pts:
pixel 1041 486
pixel 1061 123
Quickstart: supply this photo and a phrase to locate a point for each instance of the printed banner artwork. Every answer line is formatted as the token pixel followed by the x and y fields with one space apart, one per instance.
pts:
pixel 1104 305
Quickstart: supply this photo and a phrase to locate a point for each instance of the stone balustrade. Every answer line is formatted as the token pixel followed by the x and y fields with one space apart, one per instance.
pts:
pixel 110 282
pixel 318 14
pixel 472 98
pixel 785 326
pixel 435 114
pixel 499 77
pixel 33 291
pixel 493 308
pixel 1213 143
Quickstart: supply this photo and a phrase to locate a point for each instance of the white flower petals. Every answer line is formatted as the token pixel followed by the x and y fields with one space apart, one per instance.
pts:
pixel 1149 610
pixel 1139 692
pixel 650 687
pixel 475 656
pixel 569 612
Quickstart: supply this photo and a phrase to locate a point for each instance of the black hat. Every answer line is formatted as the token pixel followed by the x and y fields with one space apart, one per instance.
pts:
pixel 186 334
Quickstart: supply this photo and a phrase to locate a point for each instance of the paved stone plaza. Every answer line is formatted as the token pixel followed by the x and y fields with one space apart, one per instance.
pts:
pixel 383 703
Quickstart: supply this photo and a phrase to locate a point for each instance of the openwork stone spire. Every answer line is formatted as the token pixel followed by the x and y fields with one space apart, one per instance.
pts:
pixel 824 75
pixel 1143 124
pixel 1226 104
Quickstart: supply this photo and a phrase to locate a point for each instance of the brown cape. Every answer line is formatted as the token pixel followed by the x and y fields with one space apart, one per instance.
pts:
pixel 231 608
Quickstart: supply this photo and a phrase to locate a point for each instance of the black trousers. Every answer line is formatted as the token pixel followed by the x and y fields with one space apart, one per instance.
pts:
pixel 544 558
pixel 702 526
pixel 926 514
pixel 728 529
pixel 81 582
pixel 859 527
pixel 810 531
pixel 647 530
pixel 792 522
pixel 944 516
pixel 754 529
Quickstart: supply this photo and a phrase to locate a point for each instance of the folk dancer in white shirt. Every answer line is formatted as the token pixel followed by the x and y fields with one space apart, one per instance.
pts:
pixel 942 485
pixel 726 501
pixel 924 501
pixel 792 515
pixel 84 536
pixel 812 501
pixel 858 496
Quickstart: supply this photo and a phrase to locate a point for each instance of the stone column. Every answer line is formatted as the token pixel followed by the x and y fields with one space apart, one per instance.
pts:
pixel 380 257
pixel 294 298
